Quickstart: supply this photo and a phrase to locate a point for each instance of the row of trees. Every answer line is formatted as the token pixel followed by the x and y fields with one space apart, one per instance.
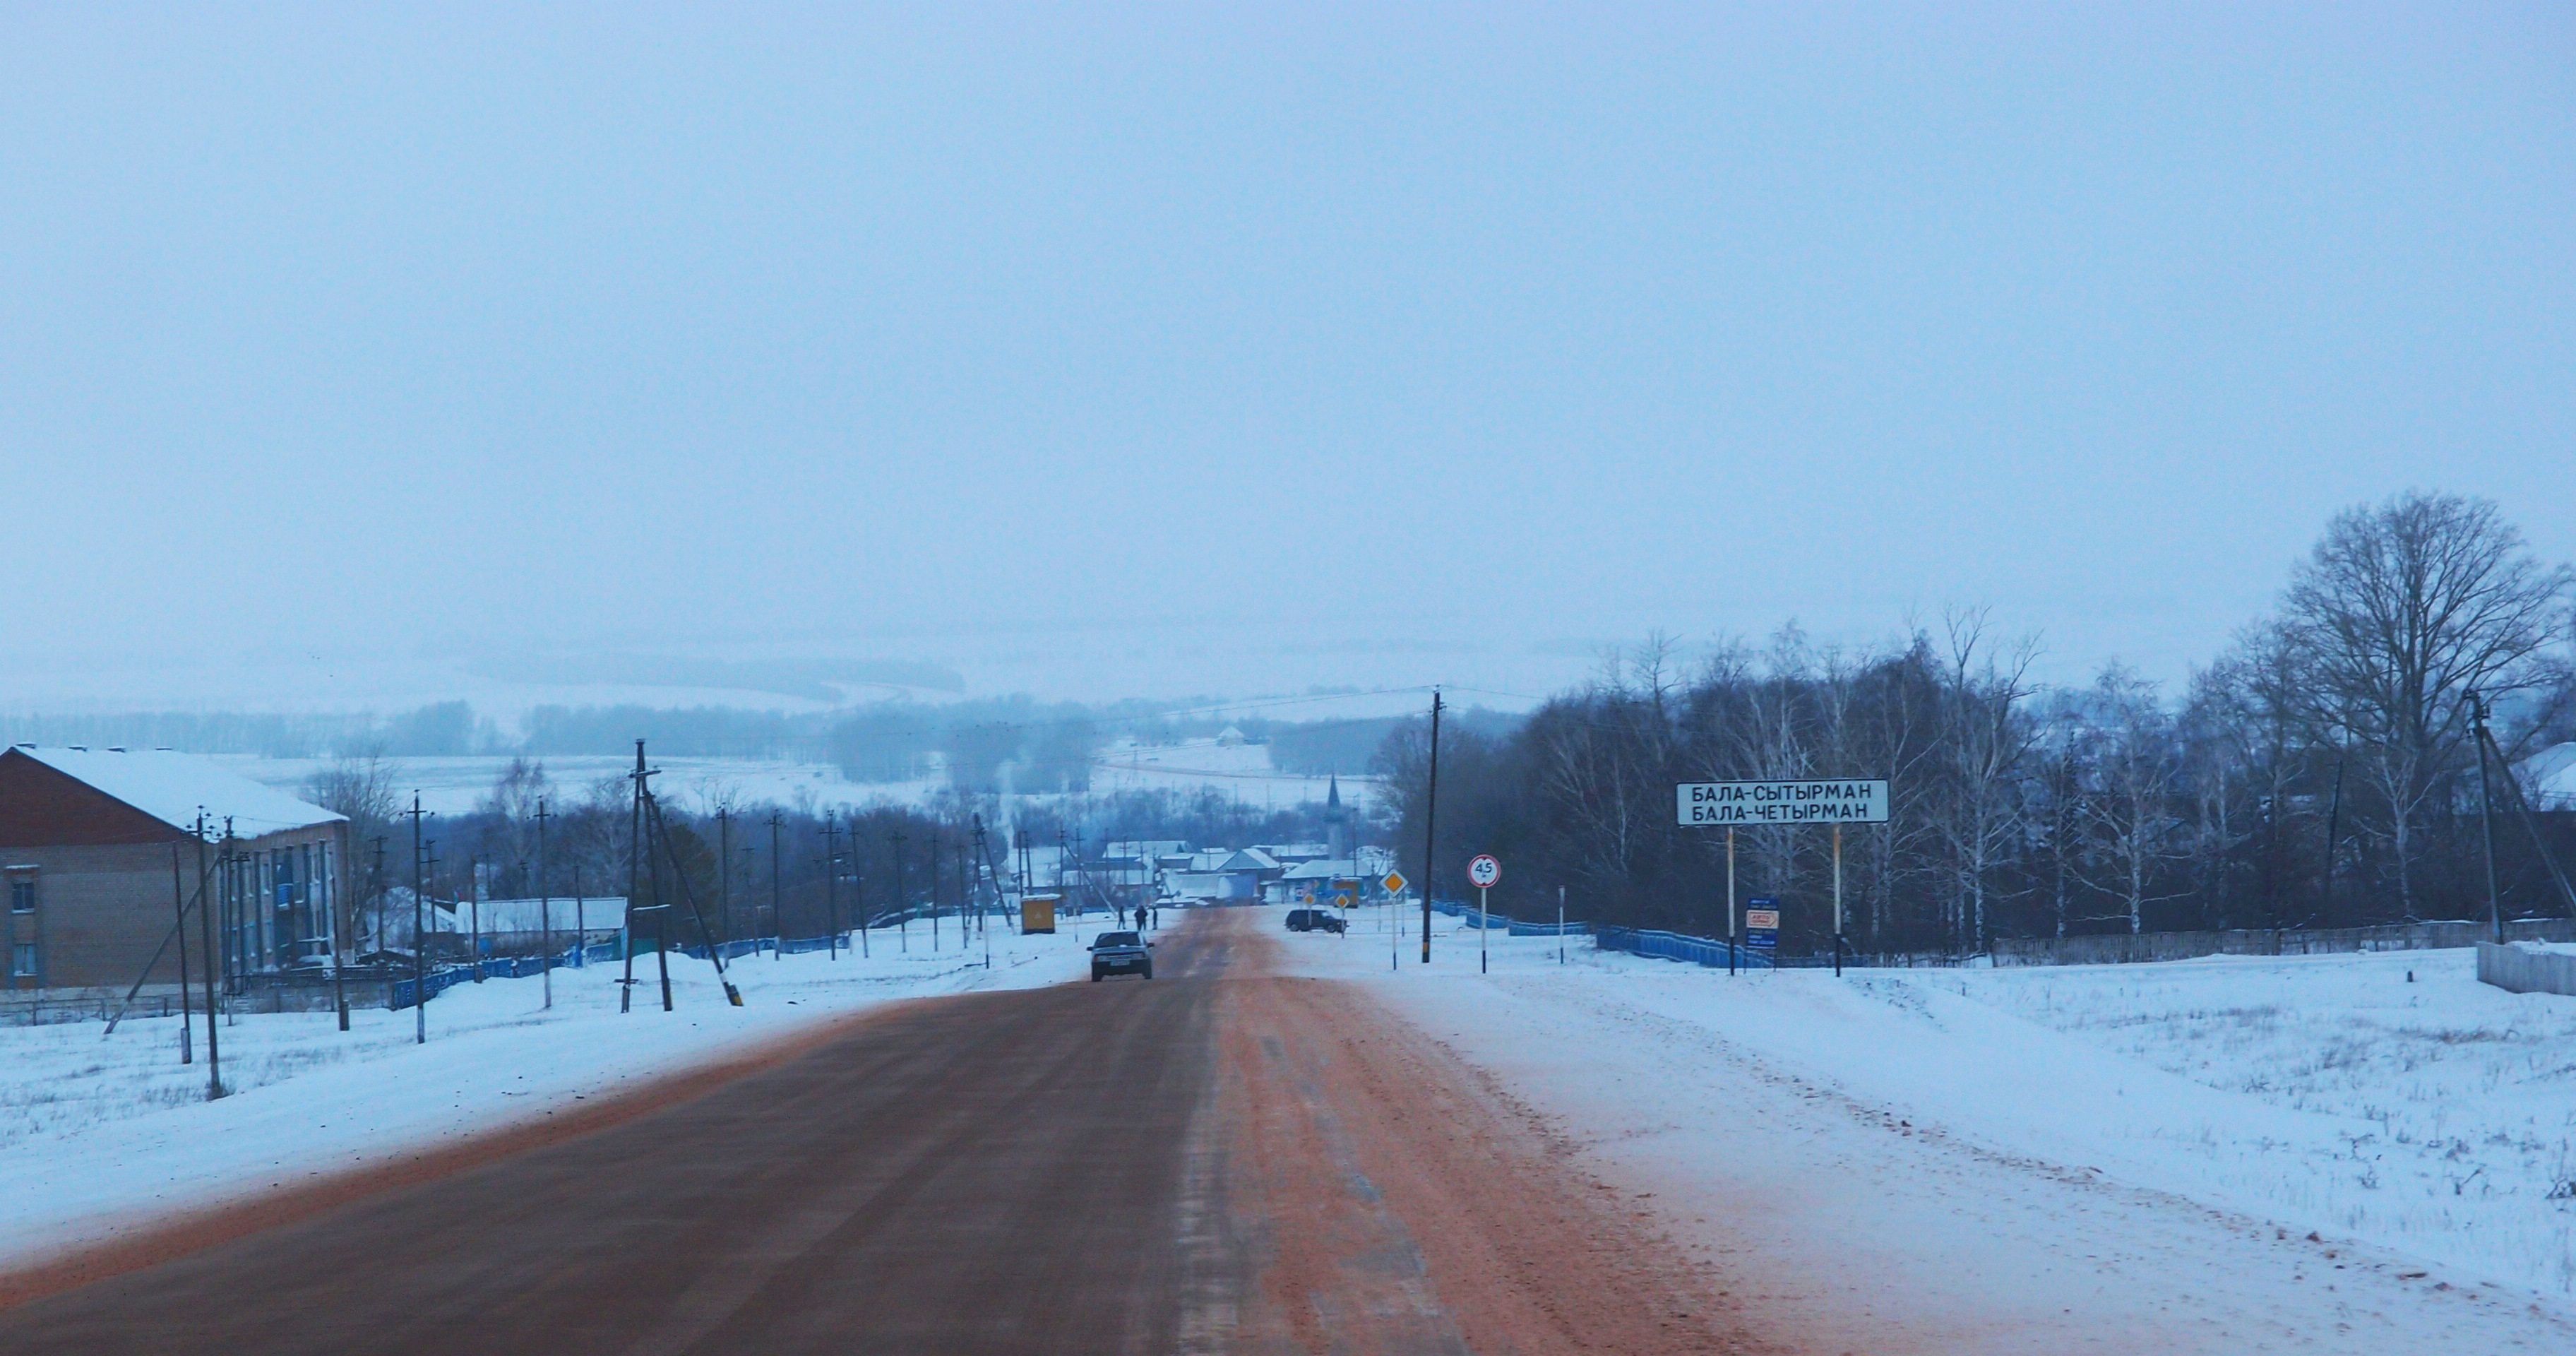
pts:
pixel 893 860
pixel 2322 772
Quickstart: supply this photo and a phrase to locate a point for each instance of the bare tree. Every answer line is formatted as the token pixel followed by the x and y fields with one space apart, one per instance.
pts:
pixel 1986 737
pixel 2130 807
pixel 2403 609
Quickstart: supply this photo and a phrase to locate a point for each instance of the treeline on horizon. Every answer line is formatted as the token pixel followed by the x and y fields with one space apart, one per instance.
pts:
pixel 2320 772
pixel 979 745
pixel 753 869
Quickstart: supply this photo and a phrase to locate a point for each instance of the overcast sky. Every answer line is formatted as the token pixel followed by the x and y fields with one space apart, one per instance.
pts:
pixel 1459 341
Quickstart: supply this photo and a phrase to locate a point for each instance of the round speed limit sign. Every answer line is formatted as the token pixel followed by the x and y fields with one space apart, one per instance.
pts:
pixel 1483 871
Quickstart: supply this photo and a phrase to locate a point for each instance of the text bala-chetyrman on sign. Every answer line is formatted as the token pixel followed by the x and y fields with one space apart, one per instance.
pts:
pixel 1823 801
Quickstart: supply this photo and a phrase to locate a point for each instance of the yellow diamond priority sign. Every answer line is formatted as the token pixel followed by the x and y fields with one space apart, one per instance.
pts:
pixel 1395 882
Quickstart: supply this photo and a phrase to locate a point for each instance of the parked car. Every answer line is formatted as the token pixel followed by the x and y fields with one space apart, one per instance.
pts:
pixel 1316 920
pixel 1120 953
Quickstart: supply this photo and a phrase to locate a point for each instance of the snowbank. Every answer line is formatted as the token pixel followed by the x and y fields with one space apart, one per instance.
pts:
pixel 103 1134
pixel 2074 1149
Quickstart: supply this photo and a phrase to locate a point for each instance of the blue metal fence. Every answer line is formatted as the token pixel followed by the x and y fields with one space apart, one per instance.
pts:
pixel 1678 946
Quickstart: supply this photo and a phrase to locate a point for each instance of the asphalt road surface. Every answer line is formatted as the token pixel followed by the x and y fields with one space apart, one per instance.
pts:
pixel 1215 1160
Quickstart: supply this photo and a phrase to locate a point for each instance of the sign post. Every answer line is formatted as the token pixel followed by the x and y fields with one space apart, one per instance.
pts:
pixel 1394 883
pixel 1730 900
pixel 1829 800
pixel 1482 872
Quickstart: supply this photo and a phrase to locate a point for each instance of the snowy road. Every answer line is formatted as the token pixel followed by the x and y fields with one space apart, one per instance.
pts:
pixel 1216 1160
pixel 1286 1144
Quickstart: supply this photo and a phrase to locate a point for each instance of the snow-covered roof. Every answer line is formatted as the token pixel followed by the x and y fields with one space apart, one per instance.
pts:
pixel 1321 870
pixel 172 787
pixel 2551 775
pixel 1251 859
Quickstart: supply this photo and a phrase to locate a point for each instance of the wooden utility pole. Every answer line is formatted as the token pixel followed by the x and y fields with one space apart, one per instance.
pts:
pixel 777 900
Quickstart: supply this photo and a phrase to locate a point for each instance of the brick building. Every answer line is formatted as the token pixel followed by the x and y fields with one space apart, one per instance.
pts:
pixel 99 846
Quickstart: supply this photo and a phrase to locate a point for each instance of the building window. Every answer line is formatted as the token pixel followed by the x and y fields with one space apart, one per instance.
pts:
pixel 23 964
pixel 22 894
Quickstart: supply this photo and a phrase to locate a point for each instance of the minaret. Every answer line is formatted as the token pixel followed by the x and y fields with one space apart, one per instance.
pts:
pixel 1337 834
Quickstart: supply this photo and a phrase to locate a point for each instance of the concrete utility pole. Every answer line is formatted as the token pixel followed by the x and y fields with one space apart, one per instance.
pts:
pixel 179 922
pixel 474 886
pixel 338 914
pixel 634 881
pixel 376 888
pixel 545 904
pixel 2486 811
pixel 902 911
pixel 206 934
pixel 724 869
pixel 777 901
pixel 932 850
pixel 1430 822
pixel 832 883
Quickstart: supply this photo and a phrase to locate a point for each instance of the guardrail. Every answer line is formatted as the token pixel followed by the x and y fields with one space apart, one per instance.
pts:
pixel 1680 946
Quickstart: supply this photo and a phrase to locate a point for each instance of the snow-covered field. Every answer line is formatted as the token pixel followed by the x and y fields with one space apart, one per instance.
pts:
pixel 2034 1159
pixel 102 1133
pixel 2437 1116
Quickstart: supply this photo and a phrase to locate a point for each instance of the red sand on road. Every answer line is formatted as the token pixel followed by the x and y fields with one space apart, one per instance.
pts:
pixel 1215 1160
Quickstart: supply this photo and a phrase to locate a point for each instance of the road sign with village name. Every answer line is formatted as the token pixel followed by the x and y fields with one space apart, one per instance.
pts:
pixel 1761 804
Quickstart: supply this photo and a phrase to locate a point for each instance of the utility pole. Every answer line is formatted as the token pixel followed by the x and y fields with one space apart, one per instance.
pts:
pixel 777 901
pixel 545 903
pixel 206 935
pixel 179 905
pixel 931 849
pixel 724 869
pixel 1430 823
pixel 339 916
pixel 902 912
pixel 2486 810
pixel 634 880
pixel 474 887
pixel 832 883
pixel 580 920
pixel 376 887
pixel 419 930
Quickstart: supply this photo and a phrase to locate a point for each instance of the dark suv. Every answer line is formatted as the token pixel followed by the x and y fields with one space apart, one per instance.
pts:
pixel 1316 920
pixel 1120 953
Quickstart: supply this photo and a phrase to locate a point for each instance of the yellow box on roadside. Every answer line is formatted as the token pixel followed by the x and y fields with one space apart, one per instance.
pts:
pixel 1037 913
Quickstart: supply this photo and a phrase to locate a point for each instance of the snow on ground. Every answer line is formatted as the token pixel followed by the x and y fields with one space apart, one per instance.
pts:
pixel 102 1133
pixel 450 786
pixel 2128 1157
pixel 2452 1104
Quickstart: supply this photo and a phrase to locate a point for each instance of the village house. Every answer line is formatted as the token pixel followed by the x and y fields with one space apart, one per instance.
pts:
pixel 99 849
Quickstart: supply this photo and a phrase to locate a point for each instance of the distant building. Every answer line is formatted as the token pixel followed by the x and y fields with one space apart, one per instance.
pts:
pixel 99 848
pixel 2551 775
pixel 510 927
